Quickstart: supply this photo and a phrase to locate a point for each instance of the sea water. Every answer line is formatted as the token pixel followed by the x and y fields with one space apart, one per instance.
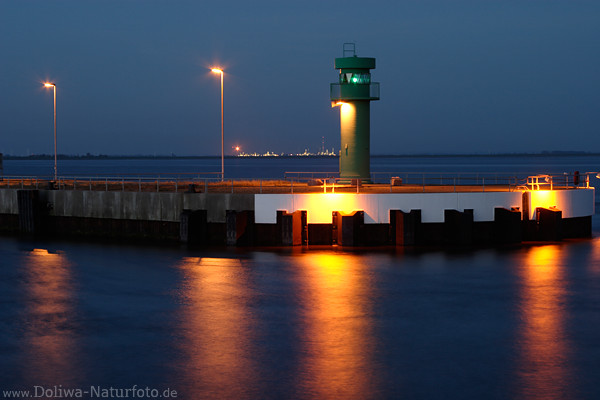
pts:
pixel 138 321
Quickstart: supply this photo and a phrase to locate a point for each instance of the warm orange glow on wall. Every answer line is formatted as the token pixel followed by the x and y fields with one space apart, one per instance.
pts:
pixel 572 203
pixel 319 206
pixel 348 110
pixel 543 198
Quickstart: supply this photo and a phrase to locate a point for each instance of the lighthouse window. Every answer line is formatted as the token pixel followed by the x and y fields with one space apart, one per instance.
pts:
pixel 350 77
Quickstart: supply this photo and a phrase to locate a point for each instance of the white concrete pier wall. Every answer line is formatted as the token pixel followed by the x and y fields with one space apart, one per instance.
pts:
pixel 319 206
pixel 168 206
pixel 572 203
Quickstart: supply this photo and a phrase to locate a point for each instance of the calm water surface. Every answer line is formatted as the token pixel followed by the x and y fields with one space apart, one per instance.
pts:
pixel 519 322
pixel 492 323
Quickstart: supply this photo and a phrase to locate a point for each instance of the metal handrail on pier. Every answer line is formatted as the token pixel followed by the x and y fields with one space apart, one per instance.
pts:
pixel 304 182
pixel 559 181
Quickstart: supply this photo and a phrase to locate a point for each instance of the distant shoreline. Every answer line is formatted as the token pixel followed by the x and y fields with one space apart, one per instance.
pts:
pixel 175 157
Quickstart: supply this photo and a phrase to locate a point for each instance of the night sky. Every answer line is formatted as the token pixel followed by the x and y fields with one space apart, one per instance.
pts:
pixel 456 76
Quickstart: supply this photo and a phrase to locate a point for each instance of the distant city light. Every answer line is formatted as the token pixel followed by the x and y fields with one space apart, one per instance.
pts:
pixel 306 153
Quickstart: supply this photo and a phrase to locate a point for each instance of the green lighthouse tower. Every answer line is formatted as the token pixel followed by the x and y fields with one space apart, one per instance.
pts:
pixel 354 93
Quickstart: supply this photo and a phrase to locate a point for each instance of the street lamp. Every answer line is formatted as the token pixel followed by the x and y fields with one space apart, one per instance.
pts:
pixel 53 85
pixel 220 71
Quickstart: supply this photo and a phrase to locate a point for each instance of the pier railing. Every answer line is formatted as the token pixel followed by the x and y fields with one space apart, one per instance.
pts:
pixel 306 182
pixel 559 181
pixel 445 179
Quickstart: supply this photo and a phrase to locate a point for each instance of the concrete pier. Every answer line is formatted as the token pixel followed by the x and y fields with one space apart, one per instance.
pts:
pixel 193 226
pixel 348 230
pixel 404 227
pixel 344 219
pixel 240 228
pixel 29 208
pixel 292 228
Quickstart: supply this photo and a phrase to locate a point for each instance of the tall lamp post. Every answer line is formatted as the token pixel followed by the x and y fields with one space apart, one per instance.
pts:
pixel 53 85
pixel 220 71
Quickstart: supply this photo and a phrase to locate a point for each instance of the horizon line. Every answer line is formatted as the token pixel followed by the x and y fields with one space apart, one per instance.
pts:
pixel 290 155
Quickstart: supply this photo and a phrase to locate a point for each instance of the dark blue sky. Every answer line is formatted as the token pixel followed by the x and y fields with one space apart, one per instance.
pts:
pixel 456 76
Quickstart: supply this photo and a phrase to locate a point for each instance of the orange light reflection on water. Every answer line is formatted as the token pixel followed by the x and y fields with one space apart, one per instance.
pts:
pixel 337 343
pixel 217 326
pixel 50 336
pixel 544 348
pixel 594 265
